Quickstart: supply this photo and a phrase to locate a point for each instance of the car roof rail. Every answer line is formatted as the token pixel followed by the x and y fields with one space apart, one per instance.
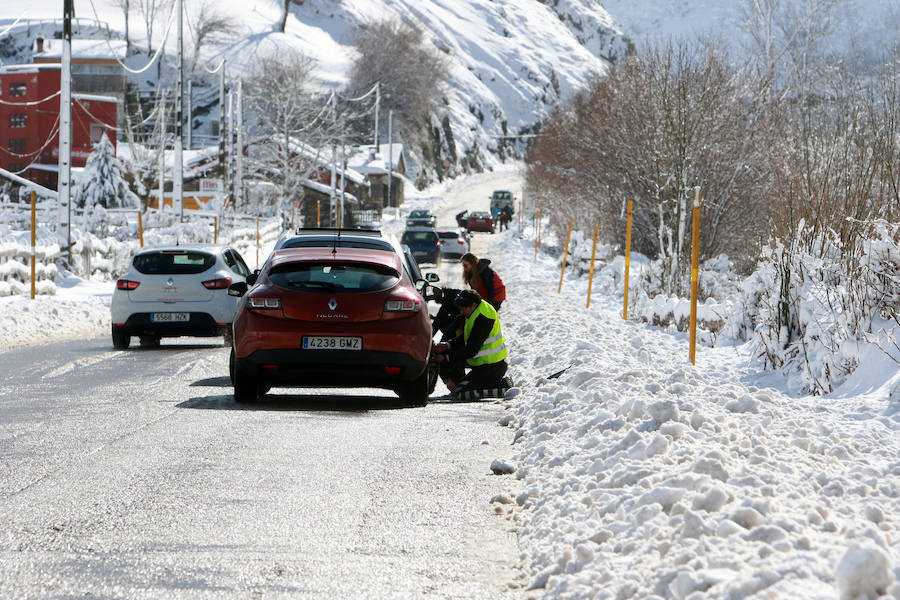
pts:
pixel 367 232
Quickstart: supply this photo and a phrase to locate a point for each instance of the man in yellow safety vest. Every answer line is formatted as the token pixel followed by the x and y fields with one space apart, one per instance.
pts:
pixel 481 346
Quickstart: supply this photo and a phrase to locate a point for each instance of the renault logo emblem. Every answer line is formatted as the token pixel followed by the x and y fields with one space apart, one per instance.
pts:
pixel 332 304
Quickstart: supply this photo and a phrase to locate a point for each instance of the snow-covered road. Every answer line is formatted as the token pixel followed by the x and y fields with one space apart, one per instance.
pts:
pixel 641 476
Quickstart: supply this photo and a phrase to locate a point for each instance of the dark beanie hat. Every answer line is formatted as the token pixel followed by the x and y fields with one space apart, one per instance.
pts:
pixel 467 298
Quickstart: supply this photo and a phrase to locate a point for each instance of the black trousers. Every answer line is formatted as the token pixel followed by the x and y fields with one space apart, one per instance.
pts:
pixel 482 377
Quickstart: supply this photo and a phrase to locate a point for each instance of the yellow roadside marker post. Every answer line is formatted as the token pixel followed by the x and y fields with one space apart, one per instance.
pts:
pixel 215 229
pixel 591 278
pixel 257 241
pixel 33 241
pixel 565 256
pixel 627 258
pixel 141 228
pixel 537 232
pixel 695 271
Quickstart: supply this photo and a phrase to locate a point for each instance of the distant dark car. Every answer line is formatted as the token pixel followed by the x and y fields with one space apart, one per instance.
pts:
pixel 424 243
pixel 480 220
pixel 421 218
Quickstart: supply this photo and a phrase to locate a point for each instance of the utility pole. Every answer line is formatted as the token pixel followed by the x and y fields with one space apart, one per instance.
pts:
pixel 333 159
pixel 377 108
pixel 162 149
pixel 230 161
pixel 64 182
pixel 390 166
pixel 222 128
pixel 190 115
pixel 343 170
pixel 178 165
pixel 239 151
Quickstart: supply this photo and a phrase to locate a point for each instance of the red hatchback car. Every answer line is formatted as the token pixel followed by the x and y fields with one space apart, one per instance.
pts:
pixel 332 317
pixel 480 221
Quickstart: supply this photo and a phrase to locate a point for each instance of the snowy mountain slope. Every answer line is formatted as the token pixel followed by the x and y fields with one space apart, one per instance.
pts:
pixel 866 28
pixel 510 60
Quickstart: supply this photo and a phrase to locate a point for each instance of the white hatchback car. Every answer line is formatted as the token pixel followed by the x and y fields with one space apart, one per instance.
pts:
pixel 172 291
pixel 454 241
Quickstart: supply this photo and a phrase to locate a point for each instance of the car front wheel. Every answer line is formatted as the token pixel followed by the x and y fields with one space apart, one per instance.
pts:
pixel 120 339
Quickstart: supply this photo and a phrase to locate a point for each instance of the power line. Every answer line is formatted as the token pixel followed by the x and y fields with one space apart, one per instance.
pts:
pixel 16 22
pixel 158 50
pixel 32 103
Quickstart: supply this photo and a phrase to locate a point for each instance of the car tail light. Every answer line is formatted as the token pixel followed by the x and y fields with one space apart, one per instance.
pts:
pixel 217 284
pixel 402 305
pixel 393 370
pixel 263 303
pixel 127 284
pixel 437 244
pixel 460 242
pixel 268 368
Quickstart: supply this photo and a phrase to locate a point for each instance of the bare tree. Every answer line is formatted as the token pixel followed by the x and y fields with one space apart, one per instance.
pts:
pixel 290 120
pixel 285 11
pixel 125 6
pixel 210 26
pixel 151 11
pixel 412 74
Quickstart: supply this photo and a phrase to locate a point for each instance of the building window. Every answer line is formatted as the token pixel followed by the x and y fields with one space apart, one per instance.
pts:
pixel 18 121
pixel 15 168
pixel 17 145
pixel 17 89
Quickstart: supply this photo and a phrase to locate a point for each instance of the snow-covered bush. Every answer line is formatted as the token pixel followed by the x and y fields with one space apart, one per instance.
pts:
pixel 814 304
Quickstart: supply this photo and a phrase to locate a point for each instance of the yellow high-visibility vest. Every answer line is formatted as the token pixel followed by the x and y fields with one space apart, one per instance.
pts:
pixel 493 350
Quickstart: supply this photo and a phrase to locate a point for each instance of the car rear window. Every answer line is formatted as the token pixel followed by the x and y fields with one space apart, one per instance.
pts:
pixel 418 236
pixel 342 243
pixel 330 277
pixel 448 235
pixel 173 262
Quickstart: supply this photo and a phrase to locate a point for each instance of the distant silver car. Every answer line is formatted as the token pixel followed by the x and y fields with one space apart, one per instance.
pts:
pixel 454 241
pixel 172 291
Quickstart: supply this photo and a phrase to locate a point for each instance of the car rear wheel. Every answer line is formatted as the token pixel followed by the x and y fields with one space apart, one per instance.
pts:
pixel 120 339
pixel 415 392
pixel 246 387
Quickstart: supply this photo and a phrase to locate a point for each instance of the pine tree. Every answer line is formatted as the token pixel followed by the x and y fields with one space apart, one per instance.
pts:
pixel 102 183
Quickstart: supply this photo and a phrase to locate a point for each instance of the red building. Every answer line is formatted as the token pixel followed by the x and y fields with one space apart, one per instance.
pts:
pixel 29 122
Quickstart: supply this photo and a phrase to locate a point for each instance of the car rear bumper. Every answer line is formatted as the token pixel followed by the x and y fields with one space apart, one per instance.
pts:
pixel 330 368
pixel 199 325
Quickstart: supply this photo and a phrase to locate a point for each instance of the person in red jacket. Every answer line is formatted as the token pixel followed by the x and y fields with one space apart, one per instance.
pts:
pixel 478 275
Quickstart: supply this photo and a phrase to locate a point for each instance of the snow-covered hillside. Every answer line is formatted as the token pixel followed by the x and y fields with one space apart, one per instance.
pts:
pixel 510 60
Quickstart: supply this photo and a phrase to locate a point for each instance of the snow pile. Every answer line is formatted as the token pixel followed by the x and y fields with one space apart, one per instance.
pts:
pixel 645 477
pixel 15 261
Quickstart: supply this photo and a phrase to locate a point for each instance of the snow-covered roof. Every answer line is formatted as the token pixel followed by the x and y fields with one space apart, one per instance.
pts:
pixel 83 49
pixel 326 189
pixel 29 68
pixel 362 160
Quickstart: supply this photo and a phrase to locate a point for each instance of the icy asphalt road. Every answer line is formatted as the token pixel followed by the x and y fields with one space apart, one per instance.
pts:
pixel 134 474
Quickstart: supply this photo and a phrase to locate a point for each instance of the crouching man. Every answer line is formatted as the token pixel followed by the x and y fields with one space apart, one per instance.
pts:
pixel 482 348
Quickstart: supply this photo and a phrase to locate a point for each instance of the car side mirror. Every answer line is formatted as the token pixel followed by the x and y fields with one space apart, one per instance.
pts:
pixel 432 277
pixel 239 288
pixel 252 277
